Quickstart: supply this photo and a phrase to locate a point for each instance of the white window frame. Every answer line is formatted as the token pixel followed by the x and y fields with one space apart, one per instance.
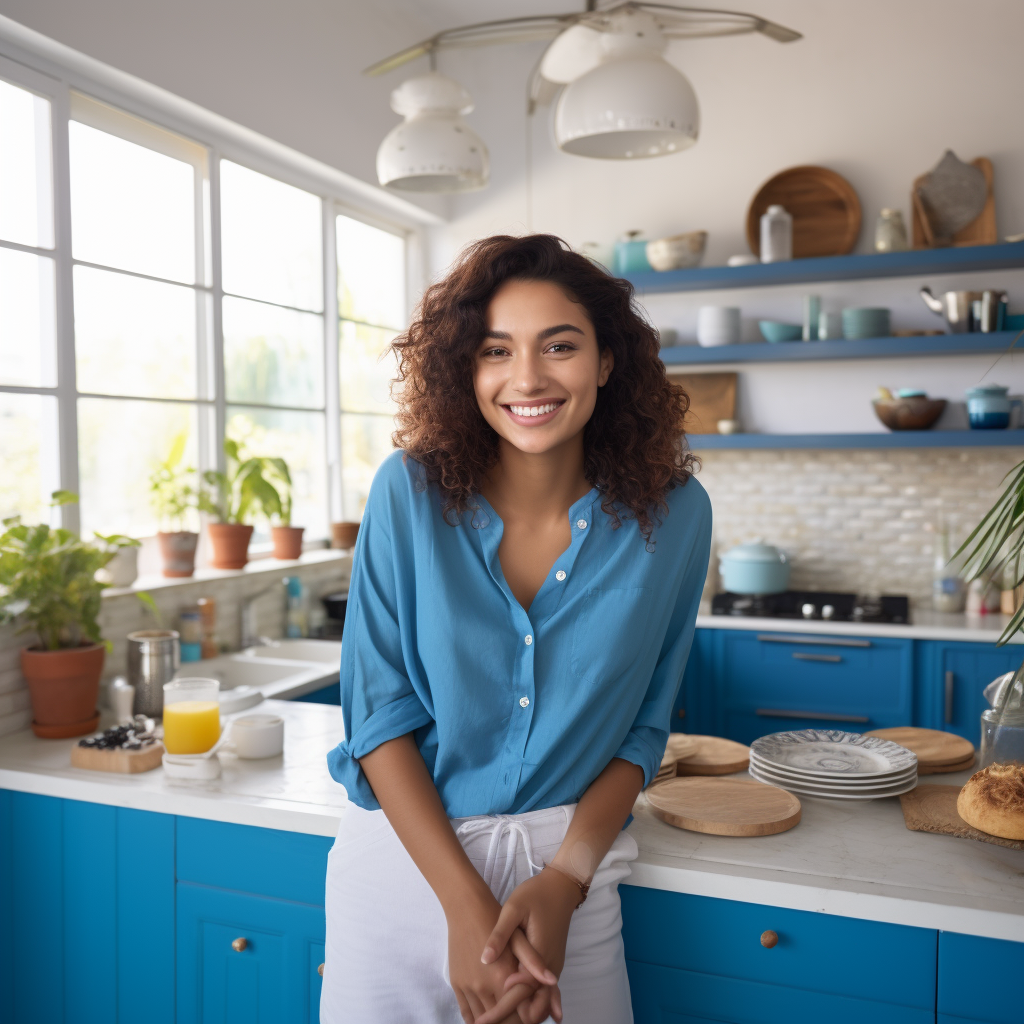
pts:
pixel 54 71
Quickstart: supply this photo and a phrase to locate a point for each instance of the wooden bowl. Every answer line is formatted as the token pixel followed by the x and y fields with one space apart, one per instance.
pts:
pixel 909 413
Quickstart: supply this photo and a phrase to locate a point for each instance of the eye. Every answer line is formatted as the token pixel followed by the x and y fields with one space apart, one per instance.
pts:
pixel 562 346
pixel 494 350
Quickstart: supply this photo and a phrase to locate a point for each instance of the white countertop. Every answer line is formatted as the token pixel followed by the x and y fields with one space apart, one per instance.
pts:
pixel 855 860
pixel 924 625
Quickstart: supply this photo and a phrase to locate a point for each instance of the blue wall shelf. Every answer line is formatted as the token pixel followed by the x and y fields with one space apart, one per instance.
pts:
pixel 867 348
pixel 968 259
pixel 898 439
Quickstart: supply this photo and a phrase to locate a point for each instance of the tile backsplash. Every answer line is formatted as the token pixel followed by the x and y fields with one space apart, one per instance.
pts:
pixel 123 613
pixel 857 520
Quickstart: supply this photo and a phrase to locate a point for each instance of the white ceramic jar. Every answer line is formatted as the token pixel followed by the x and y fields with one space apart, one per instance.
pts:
pixel 776 235
pixel 718 325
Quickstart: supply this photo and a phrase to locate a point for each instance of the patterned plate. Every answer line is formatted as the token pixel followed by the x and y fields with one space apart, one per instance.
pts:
pixel 820 753
pixel 848 794
pixel 838 783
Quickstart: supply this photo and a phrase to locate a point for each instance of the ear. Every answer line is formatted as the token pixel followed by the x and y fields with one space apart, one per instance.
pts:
pixel 607 365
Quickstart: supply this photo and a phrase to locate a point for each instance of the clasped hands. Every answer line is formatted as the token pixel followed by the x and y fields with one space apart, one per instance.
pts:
pixel 504 961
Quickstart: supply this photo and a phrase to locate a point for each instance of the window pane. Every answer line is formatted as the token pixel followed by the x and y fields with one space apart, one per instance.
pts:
pixel 26 179
pixel 27 353
pixel 28 456
pixel 271 239
pixel 134 337
pixel 365 444
pixel 273 356
pixel 367 368
pixel 298 438
pixel 131 207
pixel 371 274
pixel 119 445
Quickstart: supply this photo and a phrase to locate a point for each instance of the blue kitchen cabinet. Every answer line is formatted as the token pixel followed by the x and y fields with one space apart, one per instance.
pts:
pixel 980 980
pixel 951 677
pixel 693 959
pixel 695 704
pixel 328 695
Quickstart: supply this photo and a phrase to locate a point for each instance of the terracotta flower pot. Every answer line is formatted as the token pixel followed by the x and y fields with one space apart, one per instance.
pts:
pixel 230 543
pixel 343 535
pixel 287 541
pixel 64 687
pixel 179 552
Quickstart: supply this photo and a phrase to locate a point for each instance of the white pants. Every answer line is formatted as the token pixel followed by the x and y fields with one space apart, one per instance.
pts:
pixel 387 938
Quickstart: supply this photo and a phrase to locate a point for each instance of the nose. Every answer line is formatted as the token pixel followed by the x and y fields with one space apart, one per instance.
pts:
pixel 529 376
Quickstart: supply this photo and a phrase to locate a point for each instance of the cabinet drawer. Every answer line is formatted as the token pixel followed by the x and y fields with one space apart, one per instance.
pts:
pixel 882 963
pixel 980 980
pixel 246 959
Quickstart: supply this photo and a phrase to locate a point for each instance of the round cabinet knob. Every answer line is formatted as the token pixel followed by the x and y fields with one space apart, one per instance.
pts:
pixel 240 944
pixel 769 939
pixel 320 970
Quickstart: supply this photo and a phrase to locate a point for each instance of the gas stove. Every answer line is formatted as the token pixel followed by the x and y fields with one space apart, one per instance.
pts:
pixel 813 605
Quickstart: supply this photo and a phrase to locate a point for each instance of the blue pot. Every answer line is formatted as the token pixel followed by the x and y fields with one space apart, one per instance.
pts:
pixel 756 568
pixel 630 257
pixel 988 407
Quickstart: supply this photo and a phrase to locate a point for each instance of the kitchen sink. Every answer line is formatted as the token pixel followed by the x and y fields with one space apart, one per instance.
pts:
pixel 319 652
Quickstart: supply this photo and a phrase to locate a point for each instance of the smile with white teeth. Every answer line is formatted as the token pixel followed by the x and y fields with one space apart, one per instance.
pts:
pixel 534 410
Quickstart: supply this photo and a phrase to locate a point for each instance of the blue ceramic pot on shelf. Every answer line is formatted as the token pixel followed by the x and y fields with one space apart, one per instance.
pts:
pixel 988 407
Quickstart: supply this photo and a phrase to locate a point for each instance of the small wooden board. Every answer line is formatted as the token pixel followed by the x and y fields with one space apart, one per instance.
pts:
pixel 933 809
pixel 981 230
pixel 939 769
pixel 712 398
pixel 934 748
pixel 715 756
pixel 680 745
pixel 724 807
pixel 126 762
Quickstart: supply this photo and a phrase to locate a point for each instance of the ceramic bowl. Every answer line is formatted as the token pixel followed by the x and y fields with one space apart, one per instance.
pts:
pixel 866 322
pixel 680 252
pixel 774 330
pixel 909 413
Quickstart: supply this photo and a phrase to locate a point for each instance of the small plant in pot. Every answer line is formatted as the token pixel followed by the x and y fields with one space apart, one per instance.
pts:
pixel 173 496
pixel 48 582
pixel 278 509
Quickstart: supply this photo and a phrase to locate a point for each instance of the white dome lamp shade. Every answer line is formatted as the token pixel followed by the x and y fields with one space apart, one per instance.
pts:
pixel 633 104
pixel 433 149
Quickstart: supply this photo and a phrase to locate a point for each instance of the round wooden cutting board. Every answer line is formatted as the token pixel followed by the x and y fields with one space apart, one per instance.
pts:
pixel 715 756
pixel 933 747
pixel 824 207
pixel 680 745
pixel 724 807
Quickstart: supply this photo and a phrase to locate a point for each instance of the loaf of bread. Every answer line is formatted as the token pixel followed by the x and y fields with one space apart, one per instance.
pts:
pixel 993 801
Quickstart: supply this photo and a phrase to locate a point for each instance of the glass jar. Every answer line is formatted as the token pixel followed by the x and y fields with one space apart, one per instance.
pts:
pixel 890 232
pixel 1002 726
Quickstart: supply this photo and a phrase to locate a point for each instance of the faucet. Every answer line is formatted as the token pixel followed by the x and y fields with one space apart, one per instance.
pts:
pixel 250 638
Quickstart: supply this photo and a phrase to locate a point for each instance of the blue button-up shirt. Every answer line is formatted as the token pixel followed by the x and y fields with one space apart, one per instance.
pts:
pixel 514 709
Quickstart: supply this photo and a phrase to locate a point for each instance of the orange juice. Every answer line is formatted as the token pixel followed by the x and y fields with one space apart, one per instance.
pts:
pixel 191 726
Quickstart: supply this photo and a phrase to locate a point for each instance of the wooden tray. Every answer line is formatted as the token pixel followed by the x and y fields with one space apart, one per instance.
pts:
pixel 724 807
pixel 939 769
pixel 824 207
pixel 127 762
pixel 715 756
pixel 712 398
pixel 933 809
pixel 981 230
pixel 934 748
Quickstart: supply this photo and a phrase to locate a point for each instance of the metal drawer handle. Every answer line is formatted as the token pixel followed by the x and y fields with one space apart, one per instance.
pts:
pixel 950 689
pixel 826 716
pixel 831 641
pixel 769 939
pixel 239 944
pixel 320 970
pixel 803 656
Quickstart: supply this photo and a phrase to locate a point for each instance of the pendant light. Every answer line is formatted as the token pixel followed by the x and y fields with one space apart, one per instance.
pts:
pixel 633 104
pixel 433 149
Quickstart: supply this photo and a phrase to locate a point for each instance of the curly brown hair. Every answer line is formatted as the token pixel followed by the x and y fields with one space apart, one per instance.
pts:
pixel 634 447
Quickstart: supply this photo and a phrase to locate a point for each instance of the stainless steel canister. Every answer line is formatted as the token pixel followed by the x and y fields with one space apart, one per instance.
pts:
pixel 154 655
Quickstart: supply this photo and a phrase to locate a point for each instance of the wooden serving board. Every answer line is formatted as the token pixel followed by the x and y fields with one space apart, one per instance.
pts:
pixel 724 807
pixel 715 756
pixel 127 762
pixel 981 230
pixel 939 769
pixel 712 398
pixel 934 748
pixel 680 745
pixel 933 809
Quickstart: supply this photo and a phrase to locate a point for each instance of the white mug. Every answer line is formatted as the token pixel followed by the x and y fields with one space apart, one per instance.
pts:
pixel 255 736
pixel 718 325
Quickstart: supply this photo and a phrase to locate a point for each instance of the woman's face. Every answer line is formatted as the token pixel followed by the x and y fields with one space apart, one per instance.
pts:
pixel 539 366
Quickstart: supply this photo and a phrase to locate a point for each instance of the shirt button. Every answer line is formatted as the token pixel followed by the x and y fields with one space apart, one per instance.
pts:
pixel 581 523
pixel 560 575
pixel 528 639
pixel 524 702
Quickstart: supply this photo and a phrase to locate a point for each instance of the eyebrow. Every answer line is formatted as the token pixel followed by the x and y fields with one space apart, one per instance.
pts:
pixel 548 332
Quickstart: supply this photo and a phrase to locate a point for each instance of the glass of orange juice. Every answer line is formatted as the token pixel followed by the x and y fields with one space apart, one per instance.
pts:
pixel 191 715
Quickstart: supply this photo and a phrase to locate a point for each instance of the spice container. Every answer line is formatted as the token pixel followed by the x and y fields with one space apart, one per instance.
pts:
pixel 776 235
pixel 890 232
pixel 208 614
pixel 190 629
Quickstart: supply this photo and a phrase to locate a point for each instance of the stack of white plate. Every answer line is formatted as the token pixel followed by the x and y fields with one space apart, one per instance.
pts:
pixel 837 765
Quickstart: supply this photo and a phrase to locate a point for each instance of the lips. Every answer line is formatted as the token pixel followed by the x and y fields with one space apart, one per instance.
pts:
pixel 533 413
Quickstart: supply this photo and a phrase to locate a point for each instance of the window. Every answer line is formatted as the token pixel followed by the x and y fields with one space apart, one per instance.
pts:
pixel 180 291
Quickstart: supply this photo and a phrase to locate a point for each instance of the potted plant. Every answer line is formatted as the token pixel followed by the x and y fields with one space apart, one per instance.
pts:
pixel 172 495
pixel 287 538
pixel 48 581
pixel 232 498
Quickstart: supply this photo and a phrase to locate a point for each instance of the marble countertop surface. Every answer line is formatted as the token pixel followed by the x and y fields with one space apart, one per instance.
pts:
pixel 924 625
pixel 852 859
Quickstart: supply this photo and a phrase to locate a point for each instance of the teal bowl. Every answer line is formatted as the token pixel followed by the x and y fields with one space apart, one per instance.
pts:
pixel 773 330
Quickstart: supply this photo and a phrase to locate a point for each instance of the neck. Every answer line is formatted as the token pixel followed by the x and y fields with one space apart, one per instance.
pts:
pixel 537 486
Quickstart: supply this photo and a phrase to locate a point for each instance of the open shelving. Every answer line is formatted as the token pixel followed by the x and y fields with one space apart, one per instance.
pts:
pixel 897 439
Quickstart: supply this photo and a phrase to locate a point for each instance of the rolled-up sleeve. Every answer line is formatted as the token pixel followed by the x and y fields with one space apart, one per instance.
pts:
pixel 645 742
pixel 378 700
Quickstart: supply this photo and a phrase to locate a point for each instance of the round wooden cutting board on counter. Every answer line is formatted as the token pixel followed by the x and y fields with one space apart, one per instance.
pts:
pixel 937 751
pixel 714 756
pixel 724 807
